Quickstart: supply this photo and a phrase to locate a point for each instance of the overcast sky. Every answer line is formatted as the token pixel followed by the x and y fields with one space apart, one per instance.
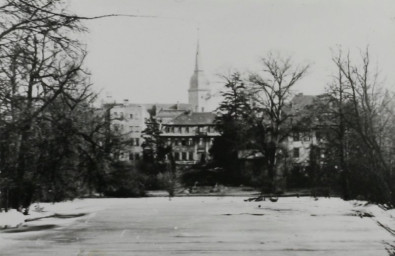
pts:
pixel 152 59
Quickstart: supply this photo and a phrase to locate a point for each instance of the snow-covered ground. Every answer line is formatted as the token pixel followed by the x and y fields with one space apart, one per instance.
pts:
pixel 208 225
pixel 43 212
pixel 13 218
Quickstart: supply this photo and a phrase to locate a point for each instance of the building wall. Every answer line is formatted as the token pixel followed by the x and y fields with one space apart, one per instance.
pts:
pixel 302 142
pixel 198 98
pixel 129 120
pixel 189 142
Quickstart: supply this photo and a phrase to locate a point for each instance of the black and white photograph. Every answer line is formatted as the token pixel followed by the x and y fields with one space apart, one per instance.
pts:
pixel 197 127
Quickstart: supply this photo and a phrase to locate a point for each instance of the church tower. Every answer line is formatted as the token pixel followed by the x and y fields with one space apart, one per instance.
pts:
pixel 199 91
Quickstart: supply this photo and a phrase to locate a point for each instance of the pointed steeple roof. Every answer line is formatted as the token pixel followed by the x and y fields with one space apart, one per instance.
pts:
pixel 198 79
pixel 197 58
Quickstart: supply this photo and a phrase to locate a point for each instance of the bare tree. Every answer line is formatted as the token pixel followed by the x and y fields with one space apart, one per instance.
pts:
pixel 271 92
pixel 368 118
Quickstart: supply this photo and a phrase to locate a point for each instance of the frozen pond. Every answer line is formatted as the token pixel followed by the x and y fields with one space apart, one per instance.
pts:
pixel 205 226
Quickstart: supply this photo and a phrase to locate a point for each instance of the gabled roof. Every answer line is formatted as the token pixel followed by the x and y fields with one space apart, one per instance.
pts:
pixel 165 106
pixel 192 118
pixel 300 101
pixel 169 113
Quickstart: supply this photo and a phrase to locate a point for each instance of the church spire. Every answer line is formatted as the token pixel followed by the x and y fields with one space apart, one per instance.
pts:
pixel 197 60
pixel 199 85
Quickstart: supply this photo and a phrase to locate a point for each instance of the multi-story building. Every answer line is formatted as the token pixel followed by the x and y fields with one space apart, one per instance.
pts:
pixel 305 136
pixel 191 136
pixel 129 120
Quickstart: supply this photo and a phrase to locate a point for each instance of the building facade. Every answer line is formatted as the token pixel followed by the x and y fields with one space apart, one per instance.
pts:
pixel 304 138
pixel 191 136
pixel 128 120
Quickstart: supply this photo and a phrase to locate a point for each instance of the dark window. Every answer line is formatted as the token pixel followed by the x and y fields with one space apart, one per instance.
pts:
pixel 137 156
pixel 131 116
pixel 190 156
pixel 183 142
pixel 131 156
pixel 296 136
pixel 190 142
pixel 187 129
pixel 176 156
pixel 184 156
pixel 137 142
pixel 116 155
pixel 296 152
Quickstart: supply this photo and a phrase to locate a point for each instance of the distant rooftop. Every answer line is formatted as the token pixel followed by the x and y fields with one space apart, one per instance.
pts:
pixel 161 106
pixel 300 100
pixel 201 118
pixel 167 113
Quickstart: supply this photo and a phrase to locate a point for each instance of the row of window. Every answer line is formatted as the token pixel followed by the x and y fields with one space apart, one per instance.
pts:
pixel 121 115
pixel 130 156
pixel 188 129
pixel 132 129
pixel 187 142
pixel 135 141
pixel 178 156
pixel 134 156
pixel 184 156
pixel 306 136
pixel 298 136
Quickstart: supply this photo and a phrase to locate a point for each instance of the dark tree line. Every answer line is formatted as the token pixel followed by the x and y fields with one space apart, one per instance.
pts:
pixel 353 121
pixel 53 143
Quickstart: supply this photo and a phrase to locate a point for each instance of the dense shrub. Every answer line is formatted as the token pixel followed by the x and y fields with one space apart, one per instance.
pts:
pixel 125 181
pixel 204 177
